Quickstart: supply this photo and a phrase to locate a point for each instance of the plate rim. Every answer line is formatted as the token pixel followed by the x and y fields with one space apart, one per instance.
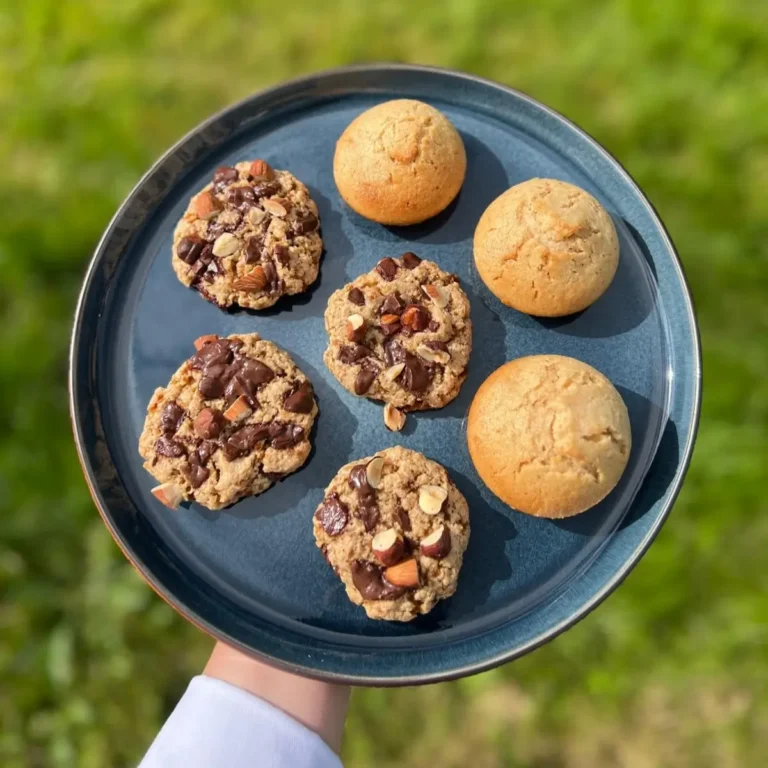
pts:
pixel 402 679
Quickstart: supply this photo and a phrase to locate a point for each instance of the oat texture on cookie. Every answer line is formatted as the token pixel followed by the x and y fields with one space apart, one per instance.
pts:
pixel 394 528
pixel 400 333
pixel 234 418
pixel 249 237
pixel 549 435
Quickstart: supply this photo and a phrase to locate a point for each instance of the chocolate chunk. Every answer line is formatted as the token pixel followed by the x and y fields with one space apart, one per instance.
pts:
pixel 368 511
pixel 300 399
pixel 282 254
pixel 205 450
pixel 171 417
pixel 213 269
pixel 387 268
pixel 332 514
pixel 390 329
pixel 255 372
pixel 433 326
pixel 306 225
pixel 370 582
pixel 410 260
pixel 273 281
pixel 356 296
pixel 285 435
pixel 365 378
pixel 394 352
pixel 415 317
pixel 392 305
pixel 274 476
pixel 224 175
pixel 217 352
pixel 209 423
pixel 170 448
pixel 227 222
pixel 242 198
pixel 404 519
pixel 267 189
pixel 244 440
pixel 211 387
pixel 349 355
pixel 189 249
pixel 437 345
pixel 253 250
pixel 416 375
pixel 197 474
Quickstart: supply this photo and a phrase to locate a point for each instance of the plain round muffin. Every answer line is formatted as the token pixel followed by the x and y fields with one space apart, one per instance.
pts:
pixel 549 435
pixel 400 162
pixel 547 248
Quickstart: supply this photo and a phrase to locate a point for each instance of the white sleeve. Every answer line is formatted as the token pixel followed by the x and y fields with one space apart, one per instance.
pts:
pixel 216 724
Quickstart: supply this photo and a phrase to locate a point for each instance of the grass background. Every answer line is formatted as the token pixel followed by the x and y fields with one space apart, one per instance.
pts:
pixel 673 669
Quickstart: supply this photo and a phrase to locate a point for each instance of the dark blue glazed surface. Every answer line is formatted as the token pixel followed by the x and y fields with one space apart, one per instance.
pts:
pixel 251 574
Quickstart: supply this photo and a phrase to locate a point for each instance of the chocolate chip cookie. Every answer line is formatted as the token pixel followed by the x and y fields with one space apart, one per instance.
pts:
pixel 249 237
pixel 233 419
pixel 400 333
pixel 394 528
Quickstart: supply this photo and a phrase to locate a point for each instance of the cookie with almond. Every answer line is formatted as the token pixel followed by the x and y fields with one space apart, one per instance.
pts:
pixel 235 417
pixel 249 237
pixel 400 333
pixel 394 528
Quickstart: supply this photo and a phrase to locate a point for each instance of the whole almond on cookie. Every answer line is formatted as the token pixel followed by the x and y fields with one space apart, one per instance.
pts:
pixel 255 280
pixel 206 205
pixel 260 170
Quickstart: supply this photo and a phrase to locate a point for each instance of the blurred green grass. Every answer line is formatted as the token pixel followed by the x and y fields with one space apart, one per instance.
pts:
pixel 673 669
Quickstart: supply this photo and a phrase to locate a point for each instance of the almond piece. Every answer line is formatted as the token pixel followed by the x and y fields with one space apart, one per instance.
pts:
pixel 277 206
pixel 254 280
pixel 389 319
pixel 260 170
pixel 206 205
pixel 405 574
pixel 436 293
pixel 168 494
pixel 373 471
pixel 226 244
pixel 388 547
pixel 355 327
pixel 438 544
pixel 239 410
pixel 394 371
pixel 201 341
pixel 394 419
pixel 433 355
pixel 432 498
pixel 256 216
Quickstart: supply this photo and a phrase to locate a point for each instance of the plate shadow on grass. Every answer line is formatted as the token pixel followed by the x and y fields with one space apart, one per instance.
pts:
pixel 486 179
pixel 485 561
pixel 333 430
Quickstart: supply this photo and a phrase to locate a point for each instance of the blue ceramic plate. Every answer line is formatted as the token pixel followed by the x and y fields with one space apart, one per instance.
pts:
pixel 251 574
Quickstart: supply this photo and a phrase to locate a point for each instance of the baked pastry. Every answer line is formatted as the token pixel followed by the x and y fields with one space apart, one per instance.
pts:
pixel 549 435
pixel 400 333
pixel 394 528
pixel 400 162
pixel 546 248
pixel 235 417
pixel 249 237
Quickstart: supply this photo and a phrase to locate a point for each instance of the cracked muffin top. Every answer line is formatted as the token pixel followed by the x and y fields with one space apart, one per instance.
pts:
pixel 399 163
pixel 549 435
pixel 546 248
